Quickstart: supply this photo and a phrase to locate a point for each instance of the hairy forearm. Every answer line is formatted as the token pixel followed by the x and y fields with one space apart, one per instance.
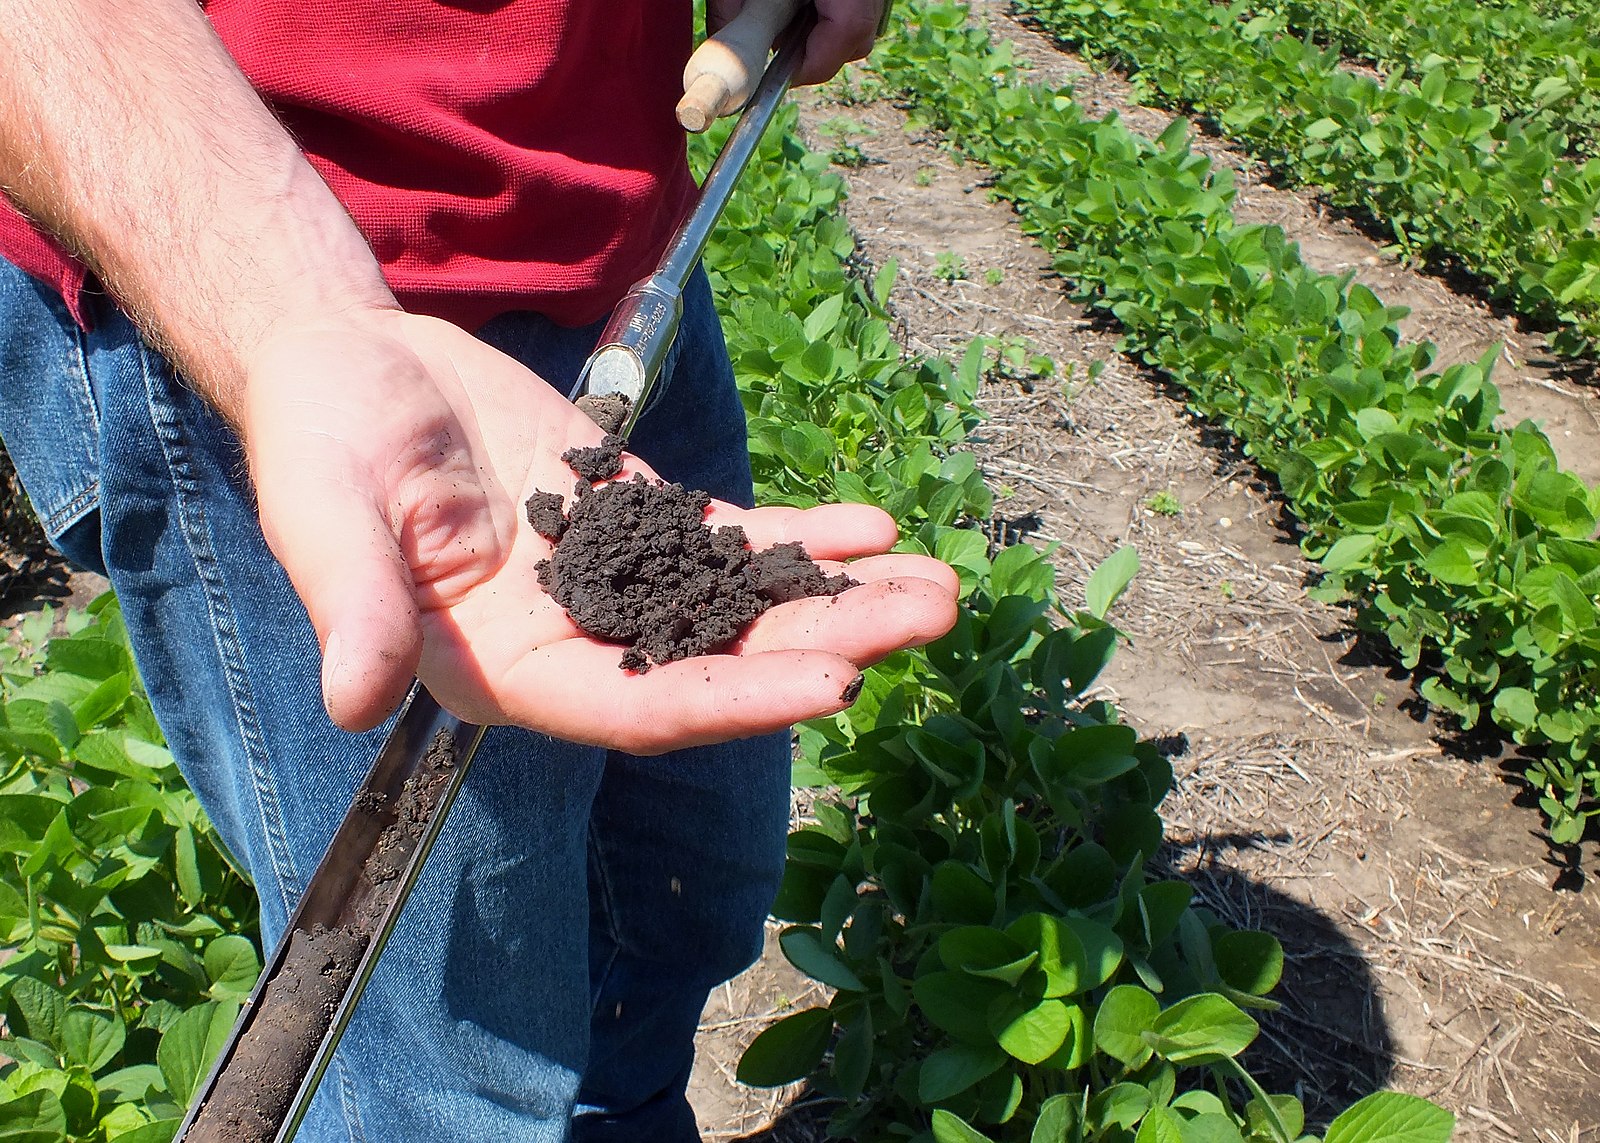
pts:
pixel 127 131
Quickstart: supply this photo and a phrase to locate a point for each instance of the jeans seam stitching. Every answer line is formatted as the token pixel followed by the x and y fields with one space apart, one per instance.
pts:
pixel 169 435
pixel 347 1099
pixel 73 510
pixel 608 908
pixel 63 516
pixel 81 343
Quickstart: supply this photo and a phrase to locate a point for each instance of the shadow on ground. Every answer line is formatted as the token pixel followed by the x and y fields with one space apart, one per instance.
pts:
pixel 1330 1043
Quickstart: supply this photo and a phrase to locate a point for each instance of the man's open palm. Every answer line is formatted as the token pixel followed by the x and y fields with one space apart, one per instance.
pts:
pixel 392 454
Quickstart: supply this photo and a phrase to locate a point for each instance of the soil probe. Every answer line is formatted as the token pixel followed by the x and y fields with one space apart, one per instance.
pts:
pixel 300 1007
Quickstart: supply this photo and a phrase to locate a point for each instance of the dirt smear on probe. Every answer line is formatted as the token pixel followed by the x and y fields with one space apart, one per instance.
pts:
pixel 635 563
pixel 272 1058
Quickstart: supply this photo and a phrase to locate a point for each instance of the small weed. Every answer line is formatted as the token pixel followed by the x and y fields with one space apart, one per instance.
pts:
pixel 950 267
pixel 1015 360
pixel 1164 503
pixel 852 87
pixel 994 275
pixel 1226 588
pixel 841 133
pixel 924 176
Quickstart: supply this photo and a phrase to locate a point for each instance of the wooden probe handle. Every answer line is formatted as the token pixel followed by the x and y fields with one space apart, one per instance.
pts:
pixel 724 70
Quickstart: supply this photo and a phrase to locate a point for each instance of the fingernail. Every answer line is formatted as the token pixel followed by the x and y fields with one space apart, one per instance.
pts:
pixel 331 653
pixel 852 689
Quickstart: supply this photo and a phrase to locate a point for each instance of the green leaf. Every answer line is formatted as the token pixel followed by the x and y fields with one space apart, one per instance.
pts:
pixel 1211 1128
pixel 92 1039
pixel 1110 580
pixel 1201 1027
pixel 161 1131
pixel 190 1044
pixel 1515 708
pixel 131 953
pixel 1249 961
pixel 952 1070
pixel 806 448
pixel 808 952
pixel 963 548
pixel 44 1011
pixel 1122 1104
pixel 974 948
pixel 1125 1015
pixel 1091 755
pixel 1348 551
pixel 1291 1114
pixel 1160 1125
pixel 957 1003
pixel 961 894
pixel 948 1128
pixel 36 1117
pixel 852 1057
pixel 101 703
pixel 1030 1031
pixel 24 820
pixel 186 863
pixel 1390 1117
pixel 788 1051
pixel 1057 1117
pixel 232 967
pixel 819 322
pixel 1451 562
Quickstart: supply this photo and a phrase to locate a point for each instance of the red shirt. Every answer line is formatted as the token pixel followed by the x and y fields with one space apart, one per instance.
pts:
pixel 519 154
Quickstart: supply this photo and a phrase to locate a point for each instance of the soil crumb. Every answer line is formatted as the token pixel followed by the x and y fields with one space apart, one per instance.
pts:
pixel 597 462
pixel 638 565
pixel 609 412
pixel 544 513
pixel 253 1095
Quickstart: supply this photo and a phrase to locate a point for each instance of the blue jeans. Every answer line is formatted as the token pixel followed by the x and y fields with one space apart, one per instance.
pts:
pixel 546 978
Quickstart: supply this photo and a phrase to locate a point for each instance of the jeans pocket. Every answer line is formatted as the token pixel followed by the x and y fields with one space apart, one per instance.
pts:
pixel 48 416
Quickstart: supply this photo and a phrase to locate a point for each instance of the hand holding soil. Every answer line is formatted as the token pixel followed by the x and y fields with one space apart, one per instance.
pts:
pixel 392 455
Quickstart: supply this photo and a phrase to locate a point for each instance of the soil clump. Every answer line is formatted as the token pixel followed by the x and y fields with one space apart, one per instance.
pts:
pixel 636 563
pixel 300 1001
pixel 595 463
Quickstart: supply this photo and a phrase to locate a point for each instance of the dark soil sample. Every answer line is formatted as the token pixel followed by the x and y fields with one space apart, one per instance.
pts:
pixel 609 412
pixel 638 565
pixel 252 1096
pixel 784 573
pixel 544 513
pixel 597 462
pixel 273 1057
pixel 412 809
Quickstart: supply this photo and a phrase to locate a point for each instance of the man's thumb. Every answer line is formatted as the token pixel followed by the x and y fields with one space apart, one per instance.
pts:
pixel 345 563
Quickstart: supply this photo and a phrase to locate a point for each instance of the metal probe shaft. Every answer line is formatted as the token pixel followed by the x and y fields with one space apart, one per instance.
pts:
pixel 627 360
pixel 633 345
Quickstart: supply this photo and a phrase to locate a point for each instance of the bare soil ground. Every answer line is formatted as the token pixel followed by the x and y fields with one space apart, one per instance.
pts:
pixel 1436 943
